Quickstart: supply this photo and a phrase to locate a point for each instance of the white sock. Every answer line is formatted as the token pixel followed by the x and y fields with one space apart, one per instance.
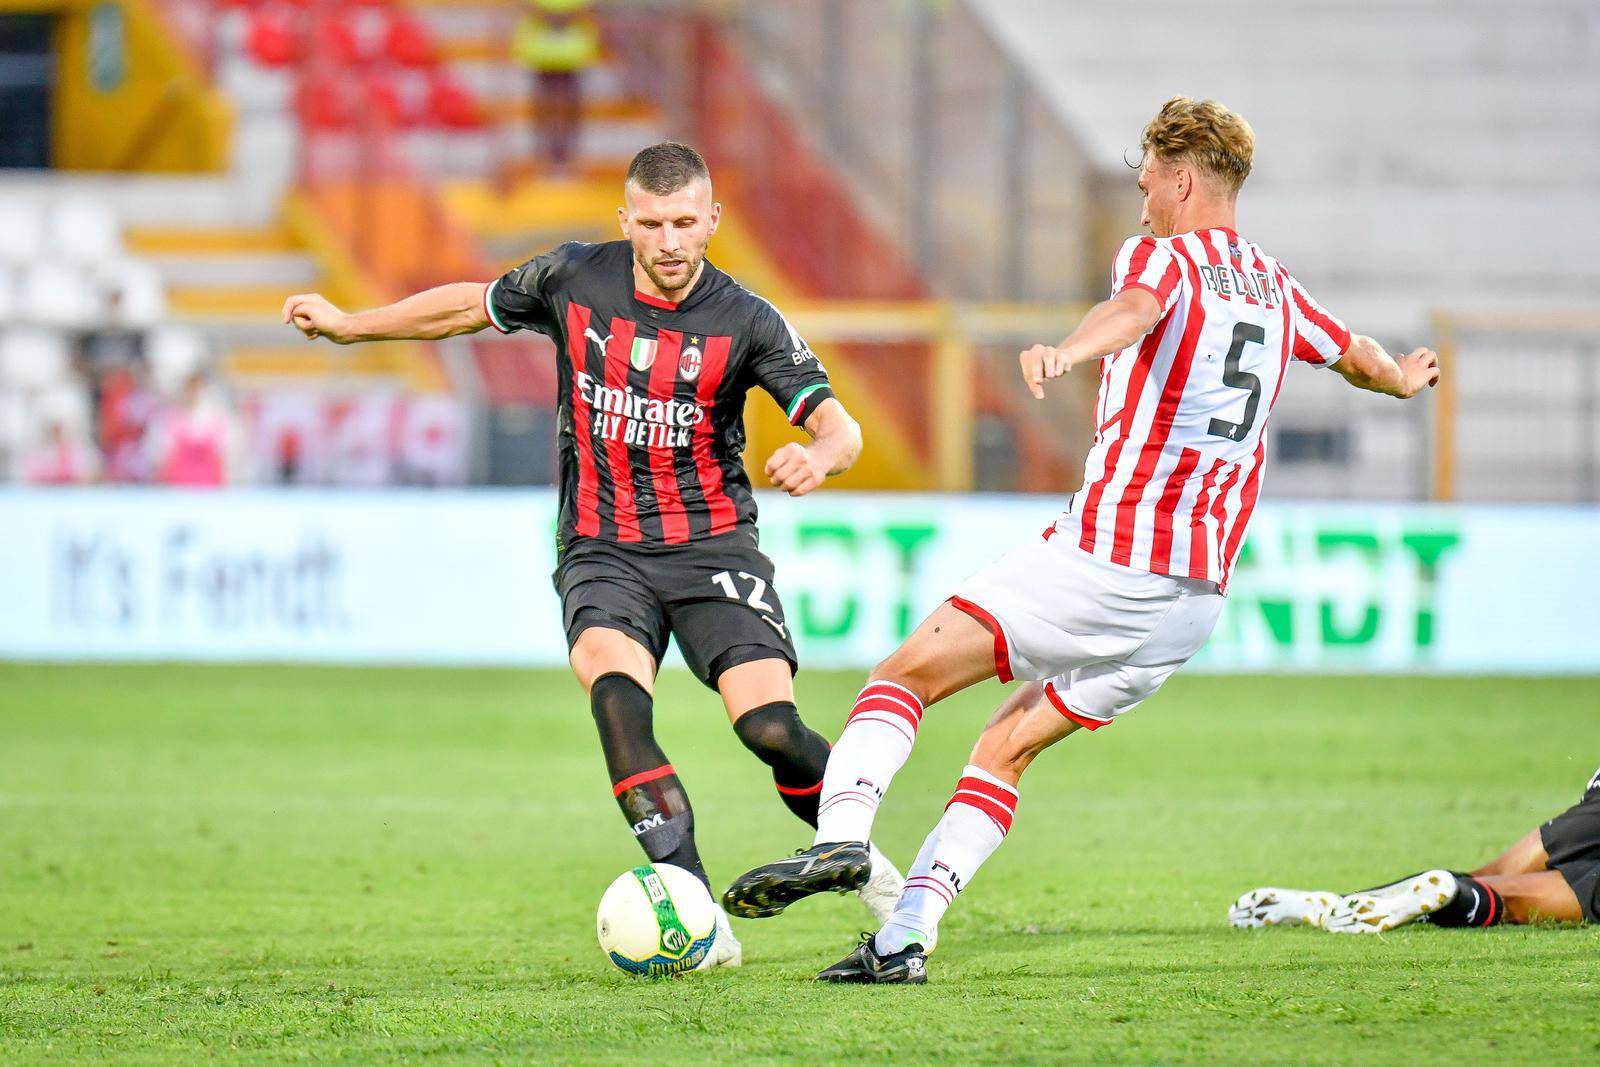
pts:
pixel 974 823
pixel 876 742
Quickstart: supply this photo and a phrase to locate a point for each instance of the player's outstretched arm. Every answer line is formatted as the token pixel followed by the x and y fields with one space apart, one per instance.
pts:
pixel 1110 326
pixel 835 445
pixel 444 311
pixel 1366 365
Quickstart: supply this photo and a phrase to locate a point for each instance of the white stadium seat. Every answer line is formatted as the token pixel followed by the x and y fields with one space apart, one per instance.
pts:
pixel 135 295
pixel 174 353
pixel 21 230
pixel 68 404
pixel 84 231
pixel 53 293
pixel 34 358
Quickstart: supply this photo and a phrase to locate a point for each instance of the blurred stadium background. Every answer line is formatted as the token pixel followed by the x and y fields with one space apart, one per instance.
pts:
pixel 231 861
pixel 925 186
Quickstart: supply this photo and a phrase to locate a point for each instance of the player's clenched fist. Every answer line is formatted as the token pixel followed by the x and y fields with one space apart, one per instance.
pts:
pixel 1042 362
pixel 1419 370
pixel 795 470
pixel 314 316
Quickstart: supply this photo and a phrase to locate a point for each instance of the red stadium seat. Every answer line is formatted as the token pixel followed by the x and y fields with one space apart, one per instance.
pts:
pixel 451 105
pixel 337 36
pixel 271 40
pixel 389 101
pixel 325 102
pixel 408 42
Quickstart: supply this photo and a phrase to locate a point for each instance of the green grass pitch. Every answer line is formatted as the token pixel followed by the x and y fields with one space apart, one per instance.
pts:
pixel 278 863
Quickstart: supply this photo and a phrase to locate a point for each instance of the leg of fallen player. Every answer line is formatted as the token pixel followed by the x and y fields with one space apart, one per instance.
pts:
pixel 1524 857
pixel 1523 887
pixel 1516 887
pixel 947 653
pixel 1538 896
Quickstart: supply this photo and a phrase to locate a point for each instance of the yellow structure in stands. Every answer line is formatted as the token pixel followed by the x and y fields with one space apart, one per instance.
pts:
pixel 128 96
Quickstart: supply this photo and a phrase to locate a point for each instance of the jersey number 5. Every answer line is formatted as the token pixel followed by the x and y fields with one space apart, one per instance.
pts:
pixel 1243 333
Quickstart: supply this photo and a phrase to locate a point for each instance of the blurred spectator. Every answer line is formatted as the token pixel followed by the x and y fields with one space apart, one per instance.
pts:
pixel 62 459
pixel 127 406
pixel 192 440
pixel 557 41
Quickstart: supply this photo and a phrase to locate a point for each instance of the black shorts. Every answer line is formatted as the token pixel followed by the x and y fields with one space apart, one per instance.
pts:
pixel 1572 840
pixel 714 595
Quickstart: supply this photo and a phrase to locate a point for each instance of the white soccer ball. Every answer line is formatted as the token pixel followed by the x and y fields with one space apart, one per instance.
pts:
pixel 656 919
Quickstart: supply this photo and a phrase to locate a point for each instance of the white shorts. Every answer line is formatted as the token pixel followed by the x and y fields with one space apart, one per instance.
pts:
pixel 1102 637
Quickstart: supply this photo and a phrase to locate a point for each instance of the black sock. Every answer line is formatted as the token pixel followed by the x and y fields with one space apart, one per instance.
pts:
pixel 1475 905
pixel 796 753
pixel 644 783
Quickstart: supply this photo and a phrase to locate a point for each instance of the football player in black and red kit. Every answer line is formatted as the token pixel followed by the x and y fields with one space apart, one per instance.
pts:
pixel 656 349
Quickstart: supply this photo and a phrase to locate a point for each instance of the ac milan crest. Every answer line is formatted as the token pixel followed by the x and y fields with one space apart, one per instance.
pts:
pixel 689 362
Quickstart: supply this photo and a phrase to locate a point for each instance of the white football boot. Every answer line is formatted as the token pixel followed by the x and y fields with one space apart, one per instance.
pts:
pixel 883 889
pixel 725 950
pixel 1270 906
pixel 1395 905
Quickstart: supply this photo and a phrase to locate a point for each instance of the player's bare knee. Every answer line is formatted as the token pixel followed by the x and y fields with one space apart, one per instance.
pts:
pixel 908 667
pixel 599 652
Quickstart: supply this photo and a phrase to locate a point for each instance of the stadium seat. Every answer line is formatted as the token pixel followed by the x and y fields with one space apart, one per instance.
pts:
pixel 66 403
pixel 55 293
pixel 324 102
pixel 341 36
pixel 451 105
pixel 408 42
pixel 174 353
pixel 271 39
pixel 135 294
pixel 33 358
pixel 388 96
pixel 21 231
pixel 83 230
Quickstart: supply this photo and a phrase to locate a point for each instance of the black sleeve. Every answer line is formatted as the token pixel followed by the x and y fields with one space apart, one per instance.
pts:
pixel 786 367
pixel 522 298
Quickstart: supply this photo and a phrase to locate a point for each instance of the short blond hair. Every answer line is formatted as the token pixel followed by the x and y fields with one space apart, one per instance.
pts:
pixel 1203 132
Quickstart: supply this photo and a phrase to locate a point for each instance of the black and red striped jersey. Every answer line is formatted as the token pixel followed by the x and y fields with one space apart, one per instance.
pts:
pixel 651 393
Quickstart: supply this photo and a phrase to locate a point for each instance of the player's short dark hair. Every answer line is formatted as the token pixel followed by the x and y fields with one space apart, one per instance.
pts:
pixel 667 167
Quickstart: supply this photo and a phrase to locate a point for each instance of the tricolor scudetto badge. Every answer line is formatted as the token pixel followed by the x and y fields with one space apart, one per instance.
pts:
pixel 643 354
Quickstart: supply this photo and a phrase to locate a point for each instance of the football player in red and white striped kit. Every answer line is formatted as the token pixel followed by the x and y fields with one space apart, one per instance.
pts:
pixel 1193 346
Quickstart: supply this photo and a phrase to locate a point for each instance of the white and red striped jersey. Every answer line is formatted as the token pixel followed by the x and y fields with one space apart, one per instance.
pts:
pixel 1181 418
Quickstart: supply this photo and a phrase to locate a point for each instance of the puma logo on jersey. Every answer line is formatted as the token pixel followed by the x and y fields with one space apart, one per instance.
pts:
pixel 783 631
pixel 600 342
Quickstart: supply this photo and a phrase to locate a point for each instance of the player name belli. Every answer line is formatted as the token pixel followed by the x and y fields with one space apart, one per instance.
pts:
pixel 1229 281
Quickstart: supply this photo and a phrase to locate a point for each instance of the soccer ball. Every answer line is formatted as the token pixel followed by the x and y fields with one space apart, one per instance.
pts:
pixel 656 919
